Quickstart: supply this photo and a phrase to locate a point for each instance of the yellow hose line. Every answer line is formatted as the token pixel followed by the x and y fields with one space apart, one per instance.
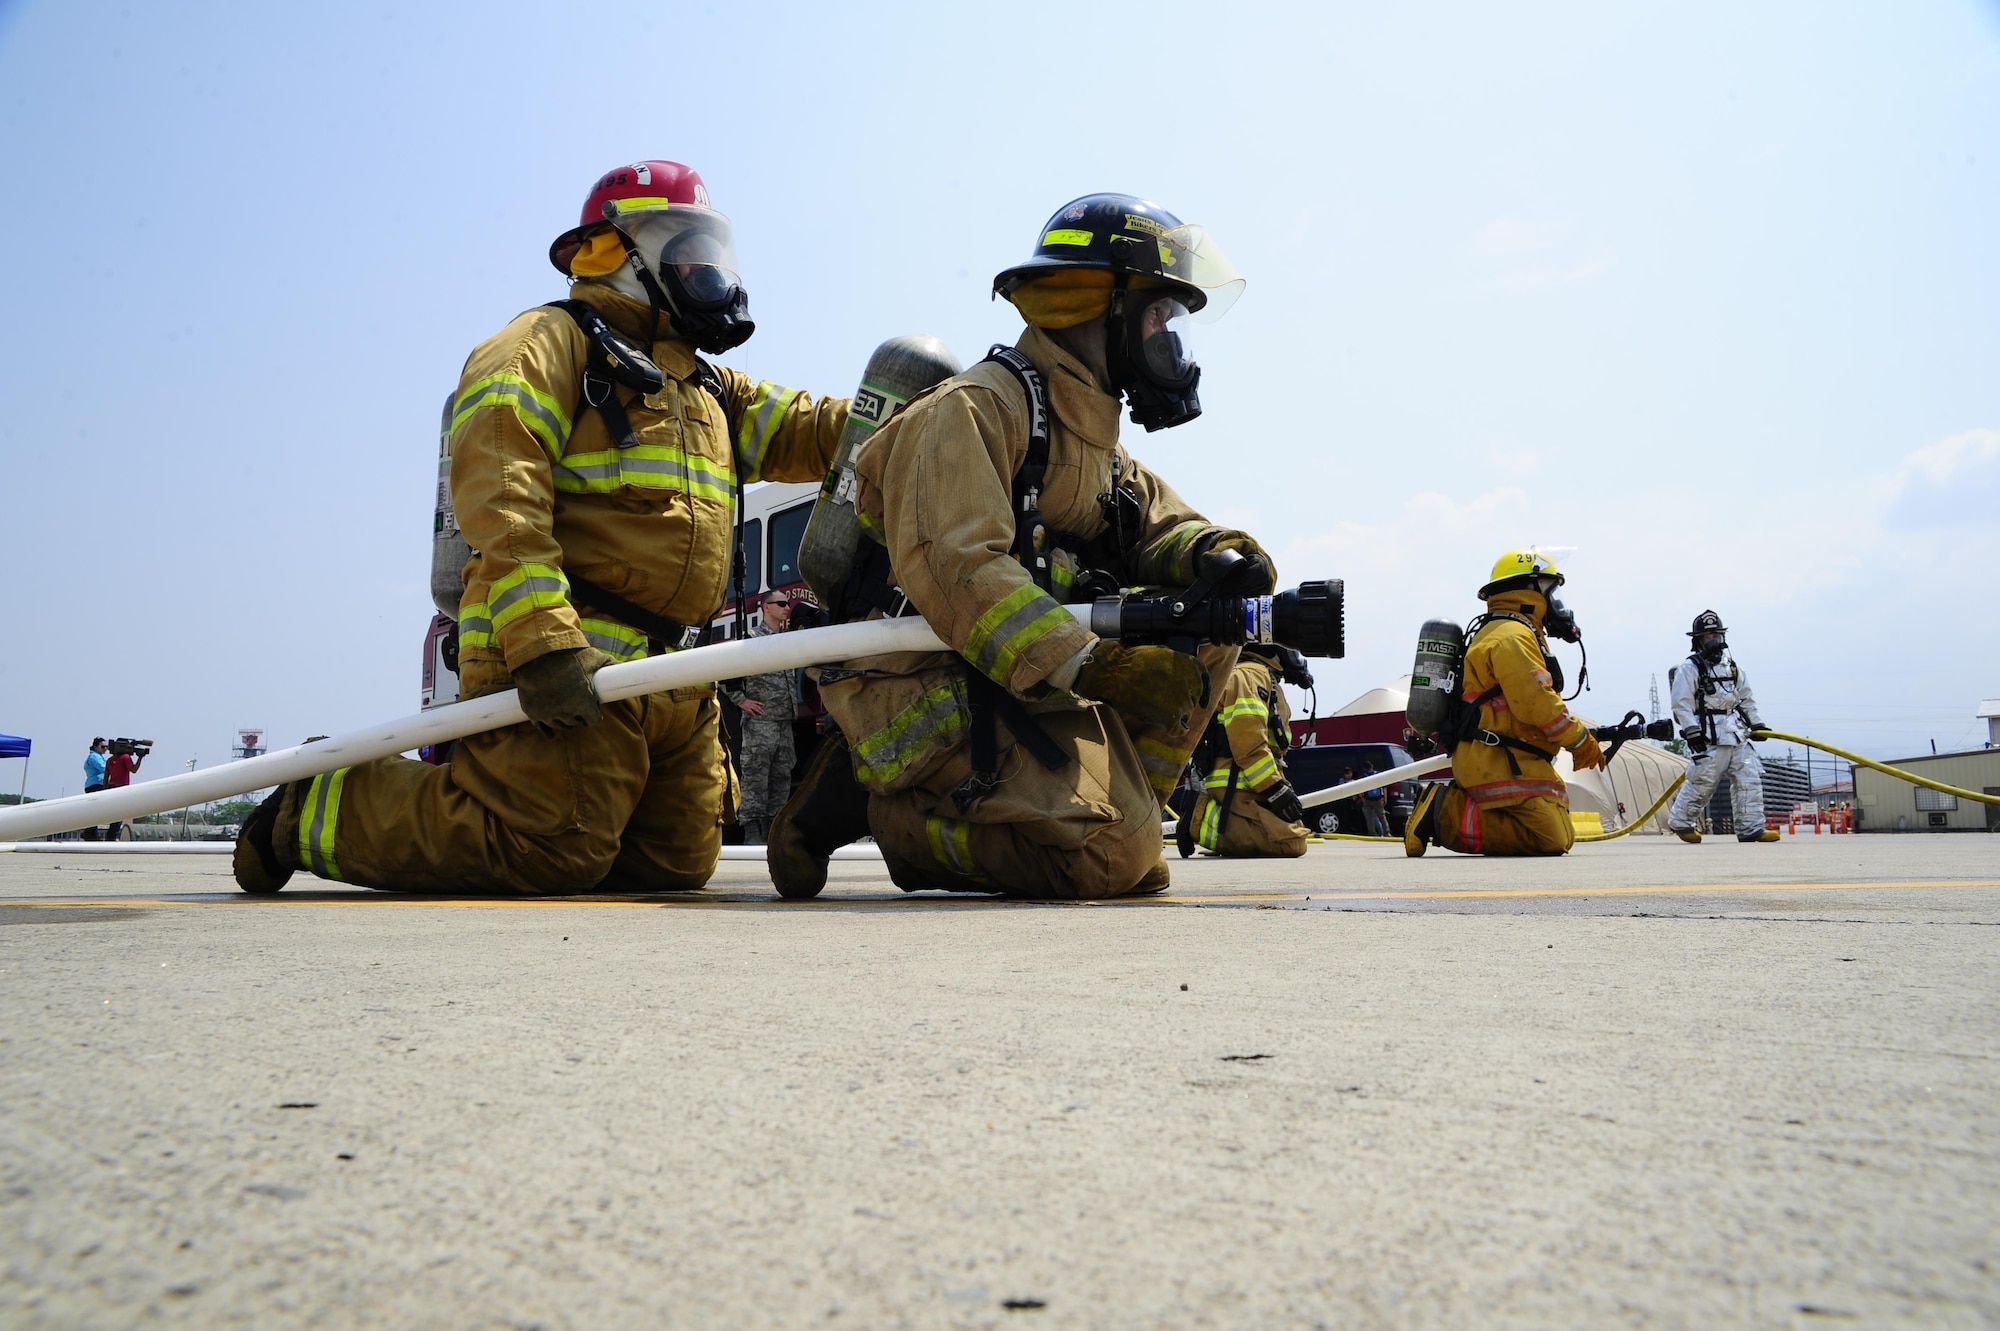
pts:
pixel 1352 836
pixel 1896 772
pixel 1643 818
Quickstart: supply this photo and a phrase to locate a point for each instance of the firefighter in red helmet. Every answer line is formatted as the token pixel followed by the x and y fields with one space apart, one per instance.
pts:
pixel 596 460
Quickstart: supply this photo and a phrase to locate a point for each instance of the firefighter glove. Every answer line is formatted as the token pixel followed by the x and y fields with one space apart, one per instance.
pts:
pixel 1587 754
pixel 1283 801
pixel 1697 742
pixel 1254 576
pixel 1157 685
pixel 555 688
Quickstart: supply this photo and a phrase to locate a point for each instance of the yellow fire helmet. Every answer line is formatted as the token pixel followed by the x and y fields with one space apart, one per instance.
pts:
pixel 1517 568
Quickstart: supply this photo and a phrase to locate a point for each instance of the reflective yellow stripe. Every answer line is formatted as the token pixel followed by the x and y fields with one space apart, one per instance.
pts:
pixel 1012 625
pixel 1156 755
pixel 319 815
pixel 951 843
pixel 937 715
pixel 1208 831
pixel 1167 554
pixel 1257 774
pixel 1065 236
pixel 528 586
pixel 614 639
pixel 475 626
pixel 644 467
pixel 539 414
pixel 1243 707
pixel 761 420
pixel 1064 578
pixel 871 527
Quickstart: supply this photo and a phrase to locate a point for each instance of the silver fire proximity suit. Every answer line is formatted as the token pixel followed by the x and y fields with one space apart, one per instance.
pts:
pixel 1716 700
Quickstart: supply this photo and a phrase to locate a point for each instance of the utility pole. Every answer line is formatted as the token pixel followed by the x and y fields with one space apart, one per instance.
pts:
pixel 1656 699
pixel 185 809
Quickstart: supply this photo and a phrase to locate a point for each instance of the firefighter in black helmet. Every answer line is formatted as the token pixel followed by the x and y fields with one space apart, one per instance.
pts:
pixel 1033 758
pixel 1147 275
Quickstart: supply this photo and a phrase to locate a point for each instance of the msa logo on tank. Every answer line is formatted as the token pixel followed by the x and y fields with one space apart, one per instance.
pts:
pixel 874 404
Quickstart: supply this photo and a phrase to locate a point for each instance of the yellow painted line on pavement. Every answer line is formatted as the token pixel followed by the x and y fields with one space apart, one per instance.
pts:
pixel 1249 898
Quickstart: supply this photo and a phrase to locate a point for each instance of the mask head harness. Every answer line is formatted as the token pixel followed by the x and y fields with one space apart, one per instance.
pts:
pixel 1147 274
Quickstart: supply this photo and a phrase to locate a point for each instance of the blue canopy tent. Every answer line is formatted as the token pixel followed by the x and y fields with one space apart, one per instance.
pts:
pixel 14 746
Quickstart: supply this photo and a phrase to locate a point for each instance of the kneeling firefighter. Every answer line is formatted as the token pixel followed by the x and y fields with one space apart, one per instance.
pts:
pixel 1716 713
pixel 1034 759
pixel 1246 807
pixel 596 464
pixel 1503 723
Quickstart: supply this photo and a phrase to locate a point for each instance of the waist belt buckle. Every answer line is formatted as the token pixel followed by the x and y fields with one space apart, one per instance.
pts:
pixel 690 635
pixel 1489 739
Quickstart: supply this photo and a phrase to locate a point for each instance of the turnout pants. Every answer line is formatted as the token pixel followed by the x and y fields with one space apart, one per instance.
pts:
pixel 1251 832
pixel 1089 831
pixel 766 766
pixel 1736 762
pixel 1538 826
pixel 634 803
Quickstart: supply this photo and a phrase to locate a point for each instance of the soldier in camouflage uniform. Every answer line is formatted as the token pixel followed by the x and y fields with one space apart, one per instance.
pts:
pixel 769 703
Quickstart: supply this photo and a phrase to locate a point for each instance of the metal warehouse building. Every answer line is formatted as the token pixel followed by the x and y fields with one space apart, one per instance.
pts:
pixel 1889 805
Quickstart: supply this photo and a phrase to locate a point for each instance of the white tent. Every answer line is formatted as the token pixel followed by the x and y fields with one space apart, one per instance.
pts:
pixel 1395 698
pixel 1639 775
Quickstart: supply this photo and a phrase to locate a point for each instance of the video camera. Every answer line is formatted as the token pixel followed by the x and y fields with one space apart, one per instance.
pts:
pixel 137 747
pixel 1310 618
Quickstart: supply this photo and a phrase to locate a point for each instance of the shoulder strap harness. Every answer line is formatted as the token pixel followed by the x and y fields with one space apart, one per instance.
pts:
pixel 614 360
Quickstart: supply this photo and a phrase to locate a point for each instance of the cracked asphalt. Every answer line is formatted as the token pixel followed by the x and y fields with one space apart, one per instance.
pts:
pixel 1644 1085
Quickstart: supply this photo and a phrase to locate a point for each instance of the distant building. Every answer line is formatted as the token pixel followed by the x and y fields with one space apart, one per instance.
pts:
pixel 1887 804
pixel 1989 712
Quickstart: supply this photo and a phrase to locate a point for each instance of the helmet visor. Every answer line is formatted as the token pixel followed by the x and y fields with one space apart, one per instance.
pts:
pixel 1189 254
pixel 696 242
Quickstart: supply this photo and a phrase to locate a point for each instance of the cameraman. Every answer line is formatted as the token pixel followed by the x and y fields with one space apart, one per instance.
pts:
pixel 93 778
pixel 125 759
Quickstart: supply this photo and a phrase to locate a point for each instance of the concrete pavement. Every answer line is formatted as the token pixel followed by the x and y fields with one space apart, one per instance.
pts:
pixel 1644 1085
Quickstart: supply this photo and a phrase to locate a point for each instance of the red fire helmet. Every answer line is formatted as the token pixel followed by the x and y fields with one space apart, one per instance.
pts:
pixel 653 186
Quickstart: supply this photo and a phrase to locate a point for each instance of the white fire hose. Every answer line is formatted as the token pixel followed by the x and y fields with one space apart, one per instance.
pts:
pixel 698 665
pixel 1407 772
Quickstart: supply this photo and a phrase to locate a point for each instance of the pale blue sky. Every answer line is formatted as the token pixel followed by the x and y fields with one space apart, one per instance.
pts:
pixel 1708 292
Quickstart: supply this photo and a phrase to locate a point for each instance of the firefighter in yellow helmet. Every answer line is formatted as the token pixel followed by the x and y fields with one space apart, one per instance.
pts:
pixel 1247 807
pixel 1034 758
pixel 596 463
pixel 1505 797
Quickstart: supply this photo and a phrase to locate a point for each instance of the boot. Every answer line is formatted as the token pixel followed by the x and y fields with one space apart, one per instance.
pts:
pixel 1184 833
pixel 828 810
pixel 255 859
pixel 1421 830
pixel 753 830
pixel 1688 834
pixel 1768 834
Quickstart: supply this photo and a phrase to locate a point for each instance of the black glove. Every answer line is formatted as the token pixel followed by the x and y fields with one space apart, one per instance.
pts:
pixel 1253 574
pixel 1697 742
pixel 1283 801
pixel 555 688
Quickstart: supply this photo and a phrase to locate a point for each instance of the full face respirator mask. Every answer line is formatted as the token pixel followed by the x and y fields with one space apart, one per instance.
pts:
pixel 1148 359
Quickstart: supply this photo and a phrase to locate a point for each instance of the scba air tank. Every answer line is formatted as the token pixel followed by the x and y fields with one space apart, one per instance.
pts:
pixel 449 552
pixel 1434 677
pixel 900 369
